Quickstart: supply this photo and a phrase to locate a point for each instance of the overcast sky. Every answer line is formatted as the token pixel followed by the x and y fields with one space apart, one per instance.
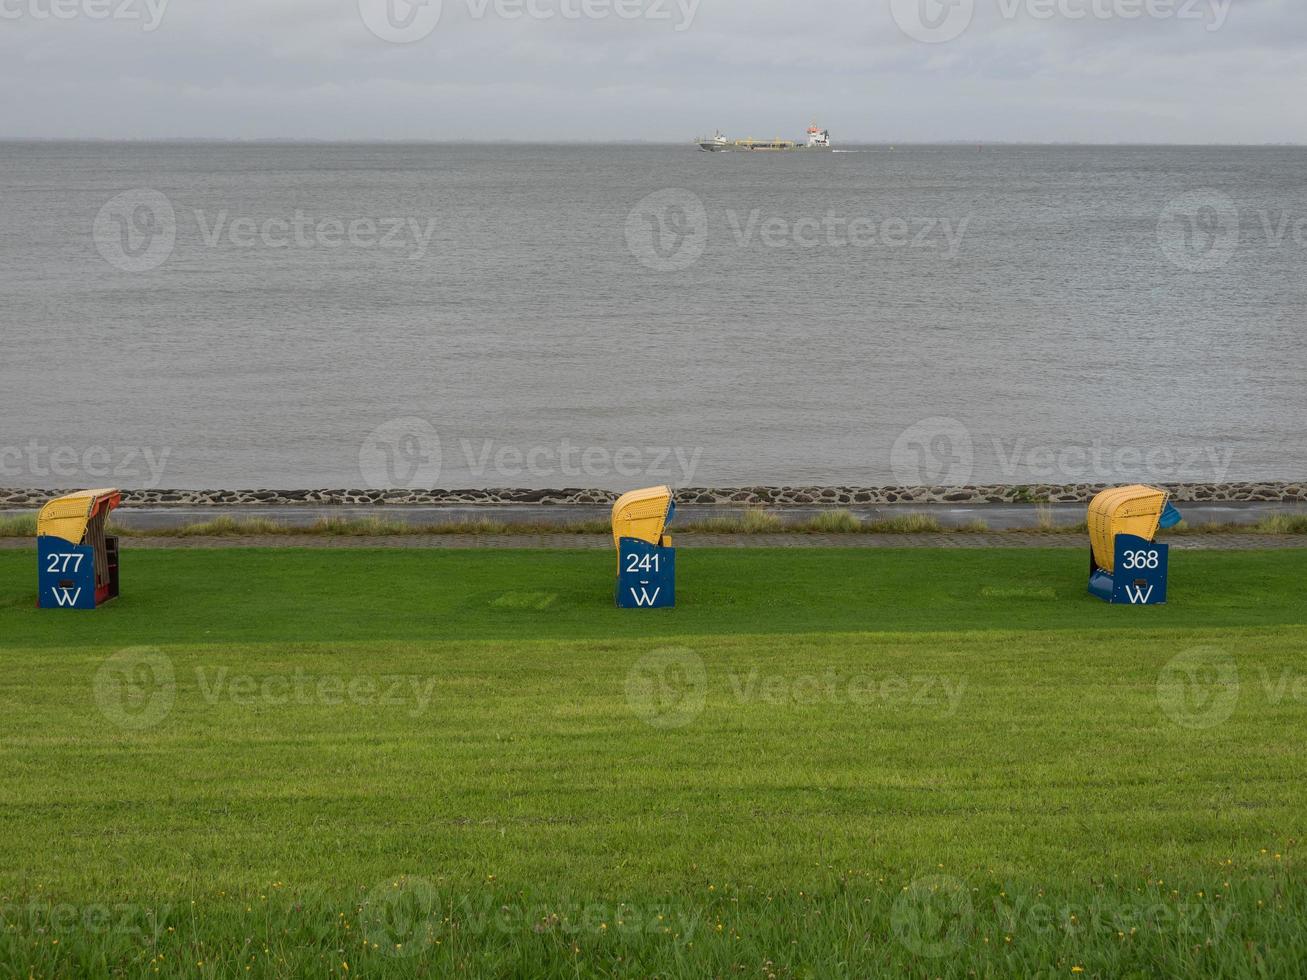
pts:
pixel 1195 71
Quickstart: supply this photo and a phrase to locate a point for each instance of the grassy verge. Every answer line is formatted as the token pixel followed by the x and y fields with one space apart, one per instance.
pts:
pixel 752 521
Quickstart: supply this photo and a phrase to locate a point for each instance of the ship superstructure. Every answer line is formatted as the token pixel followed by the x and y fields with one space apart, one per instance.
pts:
pixel 818 138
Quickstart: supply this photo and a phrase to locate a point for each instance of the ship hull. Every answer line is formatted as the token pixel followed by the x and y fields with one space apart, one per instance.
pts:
pixel 738 148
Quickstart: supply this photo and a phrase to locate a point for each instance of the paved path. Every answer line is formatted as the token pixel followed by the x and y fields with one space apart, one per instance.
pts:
pixel 596 542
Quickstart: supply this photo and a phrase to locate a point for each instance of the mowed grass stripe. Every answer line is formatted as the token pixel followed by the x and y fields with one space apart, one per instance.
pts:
pixel 1044 754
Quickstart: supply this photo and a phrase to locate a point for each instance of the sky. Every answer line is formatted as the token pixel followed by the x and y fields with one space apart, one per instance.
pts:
pixel 1090 71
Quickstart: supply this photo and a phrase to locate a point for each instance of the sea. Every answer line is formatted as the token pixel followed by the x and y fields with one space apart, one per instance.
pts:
pixel 245 315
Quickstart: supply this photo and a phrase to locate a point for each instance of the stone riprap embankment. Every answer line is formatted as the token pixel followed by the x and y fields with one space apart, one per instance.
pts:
pixel 1273 492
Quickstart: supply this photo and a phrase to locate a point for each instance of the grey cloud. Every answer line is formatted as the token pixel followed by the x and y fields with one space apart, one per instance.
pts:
pixel 311 69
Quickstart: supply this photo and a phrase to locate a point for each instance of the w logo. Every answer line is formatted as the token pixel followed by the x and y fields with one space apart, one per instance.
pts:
pixel 1138 595
pixel 643 598
pixel 668 230
pixel 136 231
pixel 66 597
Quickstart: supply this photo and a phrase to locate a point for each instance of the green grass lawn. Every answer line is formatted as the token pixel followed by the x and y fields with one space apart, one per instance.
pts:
pixel 283 596
pixel 823 763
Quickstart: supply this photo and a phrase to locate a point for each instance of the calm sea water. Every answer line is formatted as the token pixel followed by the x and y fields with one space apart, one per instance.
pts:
pixel 463 316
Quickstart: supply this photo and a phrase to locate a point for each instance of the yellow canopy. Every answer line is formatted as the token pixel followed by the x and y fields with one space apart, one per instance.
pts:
pixel 642 514
pixel 68 517
pixel 1123 510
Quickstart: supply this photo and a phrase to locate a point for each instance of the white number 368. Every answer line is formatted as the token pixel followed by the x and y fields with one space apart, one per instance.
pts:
pixel 1142 559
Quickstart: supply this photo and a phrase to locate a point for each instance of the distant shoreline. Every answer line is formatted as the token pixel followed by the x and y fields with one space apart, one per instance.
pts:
pixel 689 141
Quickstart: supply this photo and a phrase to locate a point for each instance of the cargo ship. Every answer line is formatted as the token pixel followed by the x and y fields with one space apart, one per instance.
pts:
pixel 818 139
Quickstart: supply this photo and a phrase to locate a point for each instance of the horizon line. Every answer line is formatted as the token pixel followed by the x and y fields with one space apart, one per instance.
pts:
pixel 380 141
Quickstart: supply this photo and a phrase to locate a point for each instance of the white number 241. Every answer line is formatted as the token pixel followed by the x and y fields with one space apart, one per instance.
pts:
pixel 645 563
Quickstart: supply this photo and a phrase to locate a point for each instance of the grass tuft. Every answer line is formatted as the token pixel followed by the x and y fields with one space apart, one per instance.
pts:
pixel 1282 524
pixel 356 527
pixel 832 522
pixel 219 527
pixel 752 521
pixel 906 524
pixel 18 527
